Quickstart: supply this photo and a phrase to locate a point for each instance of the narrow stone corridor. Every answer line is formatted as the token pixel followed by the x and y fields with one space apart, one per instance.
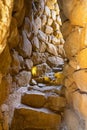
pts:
pixel 43 103
pixel 43 65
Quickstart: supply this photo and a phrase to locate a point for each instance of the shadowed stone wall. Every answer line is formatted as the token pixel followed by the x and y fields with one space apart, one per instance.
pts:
pixel 74 30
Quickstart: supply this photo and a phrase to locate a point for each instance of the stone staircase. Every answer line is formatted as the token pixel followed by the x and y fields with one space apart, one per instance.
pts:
pixel 42 105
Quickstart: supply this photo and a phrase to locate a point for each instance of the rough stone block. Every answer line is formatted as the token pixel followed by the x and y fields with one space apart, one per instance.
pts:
pixel 34 99
pixel 26 117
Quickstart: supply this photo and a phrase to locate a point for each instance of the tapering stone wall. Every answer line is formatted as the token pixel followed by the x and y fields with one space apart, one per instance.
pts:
pixel 74 30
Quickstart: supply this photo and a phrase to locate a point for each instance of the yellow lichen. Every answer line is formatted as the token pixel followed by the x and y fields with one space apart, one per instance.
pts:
pixel 34 71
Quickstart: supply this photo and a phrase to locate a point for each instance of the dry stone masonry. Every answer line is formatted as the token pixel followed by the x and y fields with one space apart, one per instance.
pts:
pixel 43 103
pixel 75 70
pixel 32 57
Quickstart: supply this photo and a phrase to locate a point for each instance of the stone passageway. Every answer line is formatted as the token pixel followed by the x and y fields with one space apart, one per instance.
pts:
pixel 42 104
pixel 43 65
pixel 32 93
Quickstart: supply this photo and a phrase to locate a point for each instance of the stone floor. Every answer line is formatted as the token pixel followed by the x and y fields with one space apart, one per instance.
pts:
pixel 43 103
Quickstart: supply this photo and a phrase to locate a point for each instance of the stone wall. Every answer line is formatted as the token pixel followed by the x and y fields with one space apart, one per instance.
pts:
pixel 74 30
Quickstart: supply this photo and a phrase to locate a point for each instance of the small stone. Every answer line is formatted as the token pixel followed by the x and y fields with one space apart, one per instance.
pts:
pixel 59 20
pixel 44 20
pixel 23 78
pixel 47 11
pixel 15 67
pixel 42 69
pixel 38 58
pixel 57 8
pixel 34 28
pixel 33 82
pixel 42 47
pixel 48 30
pixel 53 15
pixel 38 22
pixel 42 36
pixel 61 50
pixel 41 85
pixel 49 21
pixel 55 61
pixel 35 43
pixel 49 38
pixel 27 25
pixel 55 40
pixel 55 26
pixel 25 47
pixel 52 49
pixel 28 64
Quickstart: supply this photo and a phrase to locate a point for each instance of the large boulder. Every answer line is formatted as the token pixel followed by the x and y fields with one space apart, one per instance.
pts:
pixel 5 19
pixel 76 11
pixel 76 41
pixel 81 58
pixel 80 78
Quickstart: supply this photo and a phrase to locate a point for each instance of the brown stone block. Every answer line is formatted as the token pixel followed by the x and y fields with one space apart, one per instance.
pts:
pixel 76 11
pixel 76 41
pixel 80 78
pixel 56 102
pixel 34 99
pixel 80 103
pixel 27 117
pixel 82 58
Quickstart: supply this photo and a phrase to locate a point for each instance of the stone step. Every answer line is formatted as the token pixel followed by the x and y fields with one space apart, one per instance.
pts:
pixel 41 119
pixel 56 89
pixel 35 99
pixel 56 103
pixel 49 100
